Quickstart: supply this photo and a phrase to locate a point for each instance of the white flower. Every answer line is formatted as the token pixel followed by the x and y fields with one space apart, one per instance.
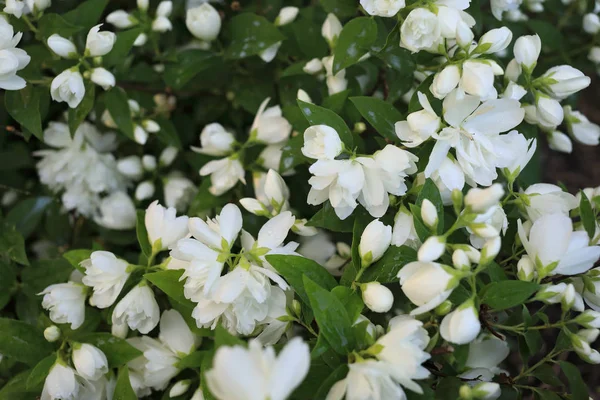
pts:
pixel 580 128
pixel 514 91
pixel 286 16
pixel 143 4
pixel 448 177
pixel 164 227
pixel 268 54
pixel 178 191
pixel 51 333
pixel 419 125
pixel 167 156
pixel 558 141
pixel 272 195
pixel 495 40
pixel 103 78
pixel 426 284
pixel 564 80
pixel 121 19
pixel 62 47
pixel 99 43
pixel 14 7
pixel 68 87
pixel 38 5
pixel 116 211
pixel 180 387
pixel 66 303
pixel 404 232
pixel 269 125
pixel 420 30
pixel 429 214
pixel 544 198
pixel 335 82
pixel 131 167
pixel 591 23
pixel 144 190
pixel 581 344
pixel 224 174
pixel 478 79
pixel 432 248
pixel 215 140
pixel 314 66
pixel 527 50
pixel 555 248
pixel 443 83
pixel 374 241
pixel 11 58
pixel 161 23
pixel 204 22
pixel 377 297
pixel 60 383
pixel 89 361
pixel 462 325
pixel 563 293
pixel 331 29
pixel 106 274
pixel 321 142
pixel 520 150
pixel 138 309
pixel 238 372
pixel 382 8
pixel 485 353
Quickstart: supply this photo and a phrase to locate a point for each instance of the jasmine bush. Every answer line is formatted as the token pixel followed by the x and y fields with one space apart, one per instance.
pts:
pixel 276 200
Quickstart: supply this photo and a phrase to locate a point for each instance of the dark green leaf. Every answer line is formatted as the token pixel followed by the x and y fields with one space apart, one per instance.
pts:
pixel 142 233
pixel 587 215
pixel 327 219
pixel 430 192
pixel 332 317
pixel 22 342
pixel 12 244
pixel 26 215
pixel 121 48
pixel 321 116
pixel 291 153
pixel 354 41
pixel 8 282
pixel 86 14
pixel 116 103
pixel 118 351
pixel 77 115
pixel 24 106
pixel 167 134
pixel 189 64
pixel 546 374
pixel 193 360
pixel 350 299
pixel 40 371
pixel 578 387
pixel 250 35
pixel 50 24
pixel 337 375
pixel 507 294
pixel 16 388
pixel 341 8
pixel 380 114
pixel 293 268
pixel 386 269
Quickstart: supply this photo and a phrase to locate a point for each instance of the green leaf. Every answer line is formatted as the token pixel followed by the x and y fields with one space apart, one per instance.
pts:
pixel 16 388
pixel 40 372
pixel 193 360
pixel 386 269
pixel 123 390
pixel 87 14
pixel 168 282
pixel 118 351
pixel 24 106
pixel 250 35
pixel 543 394
pixel 321 116
pixel 205 200
pixel 224 338
pixel 189 63
pixel 22 342
pixel 332 317
pixel 327 219
pixel 341 8
pixel 293 268
pixel 27 215
pixel 337 375
pixel 78 115
pixel 121 48
pixel 587 215
pixel 361 221
pixel 51 23
pixel 545 373
pixel 447 388
pixel 380 114
pixel 43 273
pixel 167 134
pixel 8 283
pixel 116 103
pixel 12 244
pixel 142 233
pixel 579 388
pixel 354 41
pixel 430 192
pixel 291 153
pixel 350 299
pixel 75 257
pixel 507 294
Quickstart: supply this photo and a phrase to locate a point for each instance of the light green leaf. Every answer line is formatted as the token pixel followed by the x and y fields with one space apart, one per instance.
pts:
pixel 168 282
pixel 327 219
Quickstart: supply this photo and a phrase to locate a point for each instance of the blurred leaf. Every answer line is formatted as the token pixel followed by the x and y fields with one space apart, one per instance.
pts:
pixel 12 244
pixel 341 8
pixel 189 63
pixel 87 14
pixel 40 372
pixel 121 48
pixel 24 106
pixel 117 105
pixel 22 342
pixel 578 386
pixel 250 35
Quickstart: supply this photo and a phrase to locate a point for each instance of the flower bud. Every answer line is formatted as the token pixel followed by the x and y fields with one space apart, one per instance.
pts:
pixel 253 206
pixel 52 333
pixel 121 19
pixel 464 34
pixel 302 95
pixel 480 200
pixel 198 395
pixel 150 126
pixel 432 248
pixel 313 67
pixel 103 78
pixel 486 390
pixel 144 191
pixel 490 250
pixel 580 128
pixel 204 22
pixel 564 80
pixel 527 50
pixel 525 269
pixel 513 70
pixel 445 81
pixel 99 43
pixel 377 297
pixel 462 325
pixel 514 91
pixel 89 361
pixel 443 308
pixel 558 141
pixel 167 156
pixel 140 40
pixel 591 23
pixel 587 319
pixel 426 284
pixel 495 40
pixel 179 388
pixel 149 162
pixel 331 29
pixel 119 331
pixel 286 15
pixel 62 47
pixel 549 110
pixel 143 4
pixel 464 392
pixel 131 167
pixel 460 260
pixel 374 241
pixel 429 214
pixel 68 87
pixel 483 230
pixel 321 142
pixel 594 55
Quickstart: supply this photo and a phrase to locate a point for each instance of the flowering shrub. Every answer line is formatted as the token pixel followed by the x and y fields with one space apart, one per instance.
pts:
pixel 295 200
